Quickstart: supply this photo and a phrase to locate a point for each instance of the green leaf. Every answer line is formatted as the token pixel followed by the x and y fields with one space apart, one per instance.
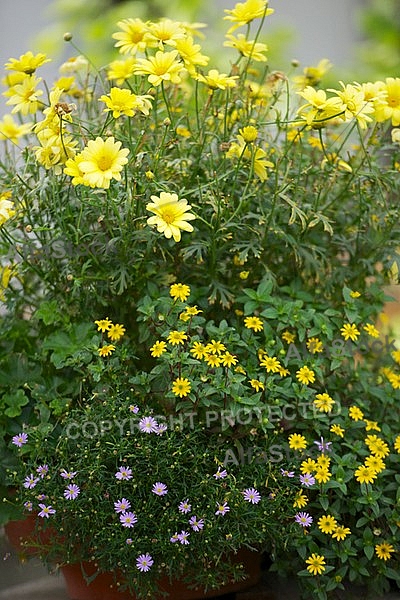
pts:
pixel 15 401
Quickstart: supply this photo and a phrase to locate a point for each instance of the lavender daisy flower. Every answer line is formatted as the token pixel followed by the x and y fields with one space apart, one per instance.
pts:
pixel 30 481
pixel 124 473
pixel 28 505
pixel 184 507
pixel 161 428
pixel 46 511
pixel 323 446
pixel 68 474
pixel 220 474
pixel 174 538
pixel 20 439
pixel 72 491
pixel 160 489
pixel 303 519
pixel 287 473
pixel 121 506
pixel 134 409
pixel 183 537
pixel 144 562
pixel 222 508
pixel 129 541
pixel 41 497
pixel 42 470
pixel 196 524
pixel 128 519
pixel 307 479
pixel 148 425
pixel 251 495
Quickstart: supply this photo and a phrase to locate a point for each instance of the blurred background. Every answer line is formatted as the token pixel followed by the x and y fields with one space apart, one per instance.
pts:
pixel 360 37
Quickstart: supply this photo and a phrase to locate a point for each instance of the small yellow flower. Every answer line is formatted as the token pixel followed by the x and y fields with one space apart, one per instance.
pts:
pixel 215 347
pixel 213 360
pixel 322 475
pixel 350 332
pixel 297 441
pixel 371 425
pixel 259 386
pixel 133 38
pixel 249 133
pixel 245 12
pixel 198 350
pixel 337 430
pixel 6 208
pixel 377 446
pixel 115 332
pixel 254 323
pixel 181 387
pixel 106 350
pixel 375 462
pixel 314 345
pixel 121 70
pixel 124 102
pixel 177 337
pixel 158 348
pixel 324 402
pixel 249 48
pixel 305 375
pixel 102 160
pixel 397 444
pixel 170 215
pixel 288 337
pixel 384 550
pixel 163 66
pixel 27 63
pixel 103 324
pixel 300 500
pixel 396 356
pixel 228 359
pixel 327 524
pixel 244 274
pixel 340 533
pixel 371 330
pixel 216 80
pixel 315 564
pixel 365 474
pixel 323 461
pixel 190 311
pixel 179 291
pixel 356 413
pixel 308 466
pixel 355 294
pixel 271 363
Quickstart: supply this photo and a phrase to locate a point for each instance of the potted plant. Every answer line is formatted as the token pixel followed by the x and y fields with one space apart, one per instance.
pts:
pixel 210 247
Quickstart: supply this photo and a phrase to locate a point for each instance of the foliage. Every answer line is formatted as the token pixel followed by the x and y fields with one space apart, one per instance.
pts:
pixel 273 205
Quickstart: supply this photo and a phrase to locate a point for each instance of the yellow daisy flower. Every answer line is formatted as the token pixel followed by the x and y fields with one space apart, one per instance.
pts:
pixel 115 332
pixel 170 215
pixel 106 350
pixel 102 160
pixel 181 387
pixel 340 533
pixel 158 348
pixel 254 323
pixel 177 337
pixel 297 441
pixel 327 524
pixel 305 375
pixel 179 291
pixel 384 550
pixel 315 564
pixel 324 402
pixel 350 332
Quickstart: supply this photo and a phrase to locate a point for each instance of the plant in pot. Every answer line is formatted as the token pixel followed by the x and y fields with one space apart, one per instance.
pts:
pixel 274 202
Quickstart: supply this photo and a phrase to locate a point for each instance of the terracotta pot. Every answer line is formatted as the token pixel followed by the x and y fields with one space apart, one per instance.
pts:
pixel 23 535
pixel 103 586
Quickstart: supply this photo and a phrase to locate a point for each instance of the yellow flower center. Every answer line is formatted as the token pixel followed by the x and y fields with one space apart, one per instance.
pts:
pixel 104 163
